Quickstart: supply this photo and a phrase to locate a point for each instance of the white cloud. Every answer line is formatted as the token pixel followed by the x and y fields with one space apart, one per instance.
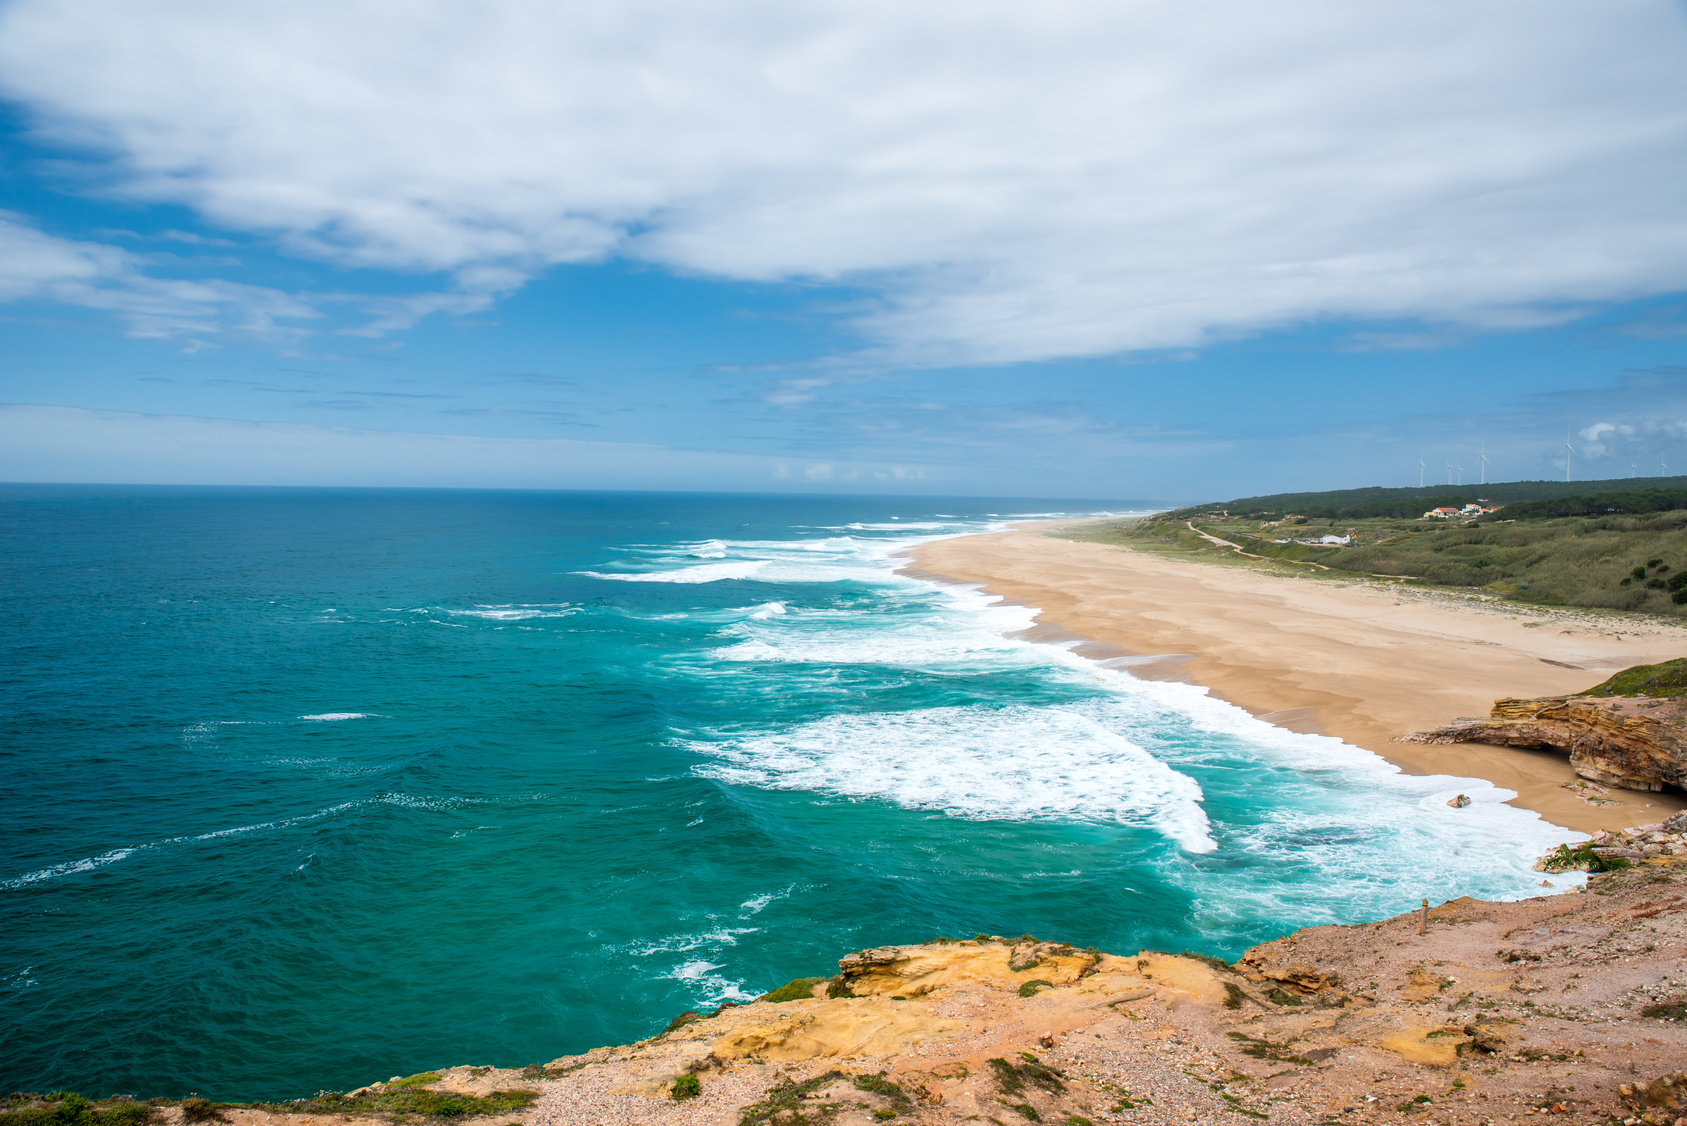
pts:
pixel 92 275
pixel 70 444
pixel 1012 181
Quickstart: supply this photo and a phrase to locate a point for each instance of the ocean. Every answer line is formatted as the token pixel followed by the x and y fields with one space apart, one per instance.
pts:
pixel 304 788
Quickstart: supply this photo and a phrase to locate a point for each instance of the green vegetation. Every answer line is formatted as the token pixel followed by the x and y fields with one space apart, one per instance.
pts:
pixel 407 1104
pixel 403 1100
pixel 1030 988
pixel 685 1087
pixel 1395 504
pixel 67 1108
pixel 420 1079
pixel 1012 1078
pixel 1582 858
pixel 1616 562
pixel 1637 502
pixel 1262 1049
pixel 1667 681
pixel 783 1103
pixel 884 1088
pixel 800 989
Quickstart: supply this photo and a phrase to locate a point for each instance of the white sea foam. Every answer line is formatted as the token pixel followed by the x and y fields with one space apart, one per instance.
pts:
pixel 88 864
pixel 1121 755
pixel 68 867
pixel 979 762
pixel 700 573
pixel 768 610
pixel 336 717
pixel 519 612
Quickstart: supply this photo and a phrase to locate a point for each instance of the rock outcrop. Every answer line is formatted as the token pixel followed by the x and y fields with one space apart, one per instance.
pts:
pixel 1636 742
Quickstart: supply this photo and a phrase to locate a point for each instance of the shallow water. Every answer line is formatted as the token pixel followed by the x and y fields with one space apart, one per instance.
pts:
pixel 305 788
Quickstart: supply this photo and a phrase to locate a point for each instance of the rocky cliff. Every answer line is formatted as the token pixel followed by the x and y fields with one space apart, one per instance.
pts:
pixel 1570 1005
pixel 1635 740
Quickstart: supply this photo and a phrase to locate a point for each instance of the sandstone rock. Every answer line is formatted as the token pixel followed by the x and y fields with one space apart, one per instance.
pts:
pixel 1490 1035
pixel 1667 1092
pixel 1610 740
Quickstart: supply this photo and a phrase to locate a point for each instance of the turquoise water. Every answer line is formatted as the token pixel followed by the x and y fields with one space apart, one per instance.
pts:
pixel 305 788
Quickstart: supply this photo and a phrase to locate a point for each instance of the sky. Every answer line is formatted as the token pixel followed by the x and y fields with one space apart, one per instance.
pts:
pixel 1150 249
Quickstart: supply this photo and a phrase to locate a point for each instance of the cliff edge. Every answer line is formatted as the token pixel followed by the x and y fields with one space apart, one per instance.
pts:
pixel 1571 1006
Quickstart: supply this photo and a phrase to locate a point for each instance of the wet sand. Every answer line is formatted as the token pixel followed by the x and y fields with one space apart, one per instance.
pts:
pixel 1362 661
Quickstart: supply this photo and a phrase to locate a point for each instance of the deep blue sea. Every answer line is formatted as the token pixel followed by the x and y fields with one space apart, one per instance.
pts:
pixel 305 788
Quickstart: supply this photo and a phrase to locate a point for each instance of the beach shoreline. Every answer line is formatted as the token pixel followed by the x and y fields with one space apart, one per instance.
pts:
pixel 1361 661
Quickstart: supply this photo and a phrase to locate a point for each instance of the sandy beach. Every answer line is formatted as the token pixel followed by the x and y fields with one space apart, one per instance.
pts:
pixel 1363 662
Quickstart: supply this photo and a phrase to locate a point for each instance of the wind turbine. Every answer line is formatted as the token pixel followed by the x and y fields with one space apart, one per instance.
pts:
pixel 1484 456
pixel 1421 468
pixel 1569 452
pixel 1461 474
pixel 1663 470
pixel 1449 473
pixel 1631 468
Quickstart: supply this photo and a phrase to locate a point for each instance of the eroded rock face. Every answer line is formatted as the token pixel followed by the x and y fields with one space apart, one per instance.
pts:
pixel 1667 1093
pixel 1636 743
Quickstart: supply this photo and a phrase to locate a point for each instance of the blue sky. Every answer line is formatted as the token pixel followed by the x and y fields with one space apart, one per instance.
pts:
pixel 1123 250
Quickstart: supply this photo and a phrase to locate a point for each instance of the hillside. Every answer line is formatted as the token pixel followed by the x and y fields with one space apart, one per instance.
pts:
pixel 1602 547
pixel 1376 502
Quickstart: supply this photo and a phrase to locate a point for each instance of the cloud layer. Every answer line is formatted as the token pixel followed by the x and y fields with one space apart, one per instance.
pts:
pixel 69 444
pixel 1004 181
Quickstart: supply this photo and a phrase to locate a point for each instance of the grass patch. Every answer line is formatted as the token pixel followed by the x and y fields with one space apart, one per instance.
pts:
pixel 783 1103
pixel 1013 1078
pixel 799 989
pixel 685 1087
pixel 1666 681
pixel 420 1079
pixel 1261 1049
pixel 1576 561
pixel 67 1108
pixel 408 1104
pixel 1030 988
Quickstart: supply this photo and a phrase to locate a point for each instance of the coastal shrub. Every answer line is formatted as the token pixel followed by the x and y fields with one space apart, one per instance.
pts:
pixel 198 1110
pixel 1012 1078
pixel 67 1108
pixel 838 987
pixel 690 1016
pixel 405 1104
pixel 1263 1049
pixel 798 989
pixel 1030 988
pixel 685 1087
pixel 783 1102
pixel 420 1079
pixel 1667 680
pixel 124 1112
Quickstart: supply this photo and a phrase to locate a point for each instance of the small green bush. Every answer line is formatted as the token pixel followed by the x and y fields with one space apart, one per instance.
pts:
pixel 798 989
pixel 198 1110
pixel 686 1086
